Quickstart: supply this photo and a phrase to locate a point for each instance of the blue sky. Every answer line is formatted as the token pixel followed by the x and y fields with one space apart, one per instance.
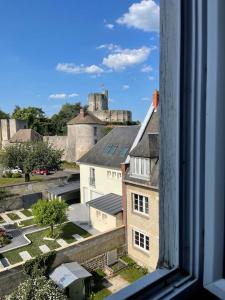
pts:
pixel 53 52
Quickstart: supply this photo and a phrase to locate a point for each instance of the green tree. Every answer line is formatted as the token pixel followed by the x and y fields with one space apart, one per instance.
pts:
pixel 67 112
pixel 39 288
pixel 30 156
pixel 49 213
pixel 35 118
pixel 3 115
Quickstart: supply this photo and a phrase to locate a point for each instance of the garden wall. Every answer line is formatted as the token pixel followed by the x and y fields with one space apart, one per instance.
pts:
pixel 25 194
pixel 91 253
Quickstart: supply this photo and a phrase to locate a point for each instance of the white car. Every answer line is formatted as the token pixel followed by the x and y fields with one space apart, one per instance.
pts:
pixel 13 170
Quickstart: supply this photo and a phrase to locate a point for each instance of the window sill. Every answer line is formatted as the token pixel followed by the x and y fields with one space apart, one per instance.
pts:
pixel 140 214
pixel 162 283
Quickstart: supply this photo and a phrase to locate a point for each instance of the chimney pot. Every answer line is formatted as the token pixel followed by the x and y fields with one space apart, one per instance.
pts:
pixel 155 99
pixel 82 112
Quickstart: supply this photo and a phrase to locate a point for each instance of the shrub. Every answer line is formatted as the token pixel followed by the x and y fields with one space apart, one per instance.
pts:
pixel 7 174
pixel 39 288
pixel 39 266
pixel 16 175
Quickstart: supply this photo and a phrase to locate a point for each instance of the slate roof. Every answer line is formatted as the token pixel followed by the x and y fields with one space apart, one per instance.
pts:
pixel 88 118
pixel 147 147
pixel 66 274
pixel 110 204
pixel 120 137
pixel 26 135
pixel 59 190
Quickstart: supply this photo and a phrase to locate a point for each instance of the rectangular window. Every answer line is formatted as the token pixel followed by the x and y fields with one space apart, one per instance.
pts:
pixel 140 167
pixel 113 174
pixel 92 177
pixel 95 131
pixel 109 173
pixel 140 204
pixel 141 240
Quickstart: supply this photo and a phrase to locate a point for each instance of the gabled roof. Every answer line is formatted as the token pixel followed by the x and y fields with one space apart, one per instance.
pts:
pixel 86 118
pixel 110 204
pixel 112 149
pixel 148 145
pixel 66 274
pixel 26 135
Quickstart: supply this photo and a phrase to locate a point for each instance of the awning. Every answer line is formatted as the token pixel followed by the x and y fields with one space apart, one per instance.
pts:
pixel 68 273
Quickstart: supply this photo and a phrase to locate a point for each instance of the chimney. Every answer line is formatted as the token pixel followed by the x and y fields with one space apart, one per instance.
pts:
pixel 82 112
pixel 155 99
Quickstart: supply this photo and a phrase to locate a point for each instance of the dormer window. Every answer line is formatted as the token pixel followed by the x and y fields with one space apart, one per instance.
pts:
pixel 140 167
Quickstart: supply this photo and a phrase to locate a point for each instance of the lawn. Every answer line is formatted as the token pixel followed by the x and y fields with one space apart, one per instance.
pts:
pixel 26 212
pixel 68 229
pixel 70 165
pixel 27 222
pixel 12 181
pixel 133 273
pixel 99 290
pixel 13 216
pixel 36 238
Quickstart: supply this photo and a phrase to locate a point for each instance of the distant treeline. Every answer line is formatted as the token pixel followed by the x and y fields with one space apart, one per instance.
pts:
pixel 55 125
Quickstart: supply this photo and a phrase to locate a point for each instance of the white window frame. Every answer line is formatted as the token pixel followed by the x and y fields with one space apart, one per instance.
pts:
pixel 145 200
pixel 145 236
pixel 140 167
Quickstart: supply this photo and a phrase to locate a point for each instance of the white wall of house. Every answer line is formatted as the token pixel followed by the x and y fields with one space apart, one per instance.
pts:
pixel 102 221
pixel 107 180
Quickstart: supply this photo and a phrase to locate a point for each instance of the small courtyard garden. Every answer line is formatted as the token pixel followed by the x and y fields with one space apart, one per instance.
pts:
pixel 39 244
pixel 122 276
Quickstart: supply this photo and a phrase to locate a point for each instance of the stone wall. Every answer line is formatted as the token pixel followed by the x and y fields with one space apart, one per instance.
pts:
pixel 114 115
pixel 25 194
pixel 58 142
pixel 79 252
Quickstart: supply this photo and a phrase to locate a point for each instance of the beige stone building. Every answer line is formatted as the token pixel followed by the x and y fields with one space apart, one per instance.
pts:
pixel 140 193
pixel 105 212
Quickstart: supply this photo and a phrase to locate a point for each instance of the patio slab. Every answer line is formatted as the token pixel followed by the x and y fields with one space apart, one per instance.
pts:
pixel 25 255
pixel 116 283
pixel 44 248
pixel 61 242
pixel 78 237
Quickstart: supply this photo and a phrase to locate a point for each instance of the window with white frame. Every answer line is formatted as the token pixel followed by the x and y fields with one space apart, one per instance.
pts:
pixel 140 204
pixel 141 240
pixel 140 167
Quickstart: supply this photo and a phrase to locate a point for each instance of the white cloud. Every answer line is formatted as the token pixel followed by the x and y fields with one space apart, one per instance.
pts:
pixel 110 47
pixel 143 15
pixel 145 99
pixel 62 96
pixel 73 95
pixel 75 69
pixel 109 26
pixel 146 69
pixel 57 96
pixel 151 78
pixel 121 59
pixel 126 86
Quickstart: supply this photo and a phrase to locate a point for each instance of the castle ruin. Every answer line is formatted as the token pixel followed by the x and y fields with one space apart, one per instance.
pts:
pixel 98 106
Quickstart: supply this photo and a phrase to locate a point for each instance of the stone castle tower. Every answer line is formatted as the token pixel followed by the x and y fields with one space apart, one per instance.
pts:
pixel 8 127
pixel 98 106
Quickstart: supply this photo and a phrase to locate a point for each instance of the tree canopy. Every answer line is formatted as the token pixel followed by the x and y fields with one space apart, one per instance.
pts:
pixel 38 288
pixel 3 115
pixel 30 156
pixel 49 213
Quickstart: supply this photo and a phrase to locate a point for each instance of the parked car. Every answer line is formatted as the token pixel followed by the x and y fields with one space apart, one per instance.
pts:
pixel 40 172
pixel 15 170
